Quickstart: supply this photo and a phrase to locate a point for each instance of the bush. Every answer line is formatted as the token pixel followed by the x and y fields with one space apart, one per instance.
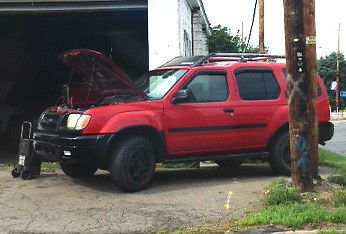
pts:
pixel 280 193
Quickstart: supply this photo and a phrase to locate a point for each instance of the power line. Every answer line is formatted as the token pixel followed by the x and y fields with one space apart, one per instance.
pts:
pixel 253 20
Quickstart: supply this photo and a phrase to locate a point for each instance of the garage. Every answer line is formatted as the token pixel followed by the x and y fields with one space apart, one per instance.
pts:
pixel 33 35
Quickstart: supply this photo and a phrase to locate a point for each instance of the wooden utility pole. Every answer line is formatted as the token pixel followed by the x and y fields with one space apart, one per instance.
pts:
pixel 337 90
pixel 261 48
pixel 300 35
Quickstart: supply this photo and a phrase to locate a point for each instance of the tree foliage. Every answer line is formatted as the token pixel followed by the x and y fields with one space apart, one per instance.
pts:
pixel 326 67
pixel 222 41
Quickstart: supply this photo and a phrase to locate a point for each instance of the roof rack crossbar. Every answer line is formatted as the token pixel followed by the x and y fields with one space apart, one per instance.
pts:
pixel 240 56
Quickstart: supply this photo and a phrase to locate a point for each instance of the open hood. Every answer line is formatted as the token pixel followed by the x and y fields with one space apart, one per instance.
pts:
pixel 104 78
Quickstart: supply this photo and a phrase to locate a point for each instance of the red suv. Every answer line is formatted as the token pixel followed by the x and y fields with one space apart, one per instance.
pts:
pixel 223 108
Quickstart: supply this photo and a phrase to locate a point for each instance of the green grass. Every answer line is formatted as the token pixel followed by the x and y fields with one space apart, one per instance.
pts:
pixel 44 166
pixel 6 167
pixel 331 159
pixel 50 166
pixel 286 206
pixel 332 231
pixel 328 158
pixel 295 215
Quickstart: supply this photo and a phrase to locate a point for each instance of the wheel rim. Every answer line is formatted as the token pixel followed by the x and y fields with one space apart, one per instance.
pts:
pixel 139 165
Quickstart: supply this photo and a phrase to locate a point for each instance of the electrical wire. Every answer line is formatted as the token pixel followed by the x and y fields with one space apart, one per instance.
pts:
pixel 253 20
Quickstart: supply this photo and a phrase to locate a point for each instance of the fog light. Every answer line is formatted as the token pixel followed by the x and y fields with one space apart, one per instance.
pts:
pixel 67 153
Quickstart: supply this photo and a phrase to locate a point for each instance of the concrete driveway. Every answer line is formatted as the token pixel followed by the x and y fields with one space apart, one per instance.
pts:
pixel 56 203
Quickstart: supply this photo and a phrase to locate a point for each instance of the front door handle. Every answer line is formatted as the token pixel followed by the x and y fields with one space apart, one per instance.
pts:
pixel 228 110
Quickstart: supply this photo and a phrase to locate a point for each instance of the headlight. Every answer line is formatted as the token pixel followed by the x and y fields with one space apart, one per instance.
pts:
pixel 77 121
pixel 83 122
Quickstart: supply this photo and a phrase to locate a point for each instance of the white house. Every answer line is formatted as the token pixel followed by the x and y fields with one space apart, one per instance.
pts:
pixel 176 28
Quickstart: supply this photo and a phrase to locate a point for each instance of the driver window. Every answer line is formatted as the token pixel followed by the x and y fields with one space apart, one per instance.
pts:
pixel 208 88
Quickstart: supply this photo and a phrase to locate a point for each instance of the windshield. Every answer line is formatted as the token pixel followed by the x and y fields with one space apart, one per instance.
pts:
pixel 156 84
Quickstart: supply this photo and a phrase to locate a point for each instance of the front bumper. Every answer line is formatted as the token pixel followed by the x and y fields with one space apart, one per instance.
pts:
pixel 86 149
pixel 326 132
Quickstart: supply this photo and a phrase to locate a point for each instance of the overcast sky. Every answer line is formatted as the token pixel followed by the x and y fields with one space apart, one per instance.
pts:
pixel 232 13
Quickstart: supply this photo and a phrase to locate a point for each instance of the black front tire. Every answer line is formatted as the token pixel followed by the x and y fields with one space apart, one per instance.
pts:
pixel 26 175
pixel 232 163
pixel 77 171
pixel 133 164
pixel 15 173
pixel 279 155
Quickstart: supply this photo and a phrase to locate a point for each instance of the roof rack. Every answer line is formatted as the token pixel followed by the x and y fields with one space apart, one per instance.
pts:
pixel 195 61
pixel 243 57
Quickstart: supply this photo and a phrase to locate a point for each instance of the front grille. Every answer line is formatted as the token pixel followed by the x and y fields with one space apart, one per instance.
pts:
pixel 49 122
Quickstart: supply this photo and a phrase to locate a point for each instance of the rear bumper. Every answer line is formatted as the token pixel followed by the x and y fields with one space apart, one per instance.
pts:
pixel 326 132
pixel 88 150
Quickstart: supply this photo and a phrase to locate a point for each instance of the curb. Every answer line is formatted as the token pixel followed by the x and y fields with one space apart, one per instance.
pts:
pixel 298 232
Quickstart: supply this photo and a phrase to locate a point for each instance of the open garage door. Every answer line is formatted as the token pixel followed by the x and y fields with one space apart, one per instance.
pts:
pixel 32 36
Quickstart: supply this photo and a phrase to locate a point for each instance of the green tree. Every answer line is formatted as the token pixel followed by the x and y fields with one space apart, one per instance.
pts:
pixel 326 67
pixel 222 41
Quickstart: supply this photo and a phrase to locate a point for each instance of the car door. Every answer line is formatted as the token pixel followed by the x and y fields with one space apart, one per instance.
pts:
pixel 204 123
pixel 259 93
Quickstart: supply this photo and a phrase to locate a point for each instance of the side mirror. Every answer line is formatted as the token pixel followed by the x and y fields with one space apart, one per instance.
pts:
pixel 180 96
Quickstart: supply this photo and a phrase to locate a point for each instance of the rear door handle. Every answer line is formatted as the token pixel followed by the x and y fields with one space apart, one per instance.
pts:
pixel 228 110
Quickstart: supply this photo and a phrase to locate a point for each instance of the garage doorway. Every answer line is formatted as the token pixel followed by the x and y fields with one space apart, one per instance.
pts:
pixel 31 74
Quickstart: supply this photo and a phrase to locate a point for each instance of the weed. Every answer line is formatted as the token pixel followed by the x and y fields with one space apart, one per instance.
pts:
pixel 339 198
pixel 280 193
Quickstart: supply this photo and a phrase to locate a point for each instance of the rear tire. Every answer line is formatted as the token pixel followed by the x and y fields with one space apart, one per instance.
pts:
pixel 133 164
pixel 232 163
pixel 77 171
pixel 279 155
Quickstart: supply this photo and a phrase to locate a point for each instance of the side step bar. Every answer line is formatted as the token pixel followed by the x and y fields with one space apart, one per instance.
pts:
pixel 200 158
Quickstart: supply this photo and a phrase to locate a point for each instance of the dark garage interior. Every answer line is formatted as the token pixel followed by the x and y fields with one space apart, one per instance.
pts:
pixel 31 73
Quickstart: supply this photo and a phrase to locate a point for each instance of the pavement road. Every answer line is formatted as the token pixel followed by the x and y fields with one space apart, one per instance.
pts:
pixel 338 142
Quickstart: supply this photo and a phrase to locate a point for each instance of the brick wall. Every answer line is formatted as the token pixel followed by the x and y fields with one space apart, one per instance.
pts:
pixel 200 39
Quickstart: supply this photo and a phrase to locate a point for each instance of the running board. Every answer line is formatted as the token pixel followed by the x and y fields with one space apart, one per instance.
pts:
pixel 200 158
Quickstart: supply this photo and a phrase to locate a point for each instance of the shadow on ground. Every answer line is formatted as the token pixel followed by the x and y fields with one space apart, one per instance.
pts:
pixel 181 179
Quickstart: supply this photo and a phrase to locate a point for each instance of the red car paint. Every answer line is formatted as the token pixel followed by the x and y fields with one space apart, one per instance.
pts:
pixel 162 115
pixel 214 130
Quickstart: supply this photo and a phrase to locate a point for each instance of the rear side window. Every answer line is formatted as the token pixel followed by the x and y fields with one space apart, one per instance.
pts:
pixel 257 85
pixel 319 91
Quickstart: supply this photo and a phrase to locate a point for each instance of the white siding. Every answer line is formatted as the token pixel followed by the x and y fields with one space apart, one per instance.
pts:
pixel 163 23
pixel 171 32
pixel 185 28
